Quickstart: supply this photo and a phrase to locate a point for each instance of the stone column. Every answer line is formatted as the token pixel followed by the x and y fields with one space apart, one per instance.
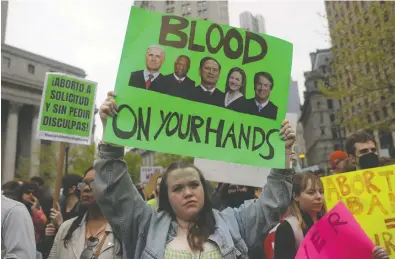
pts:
pixel 10 142
pixel 35 145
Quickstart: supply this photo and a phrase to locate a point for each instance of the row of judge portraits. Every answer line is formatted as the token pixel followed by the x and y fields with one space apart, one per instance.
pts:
pixel 179 84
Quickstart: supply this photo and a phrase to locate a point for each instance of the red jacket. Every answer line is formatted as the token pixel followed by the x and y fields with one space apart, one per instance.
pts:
pixel 39 221
pixel 268 243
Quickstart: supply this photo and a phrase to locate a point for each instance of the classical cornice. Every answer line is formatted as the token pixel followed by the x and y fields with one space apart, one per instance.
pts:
pixel 42 60
pixel 20 80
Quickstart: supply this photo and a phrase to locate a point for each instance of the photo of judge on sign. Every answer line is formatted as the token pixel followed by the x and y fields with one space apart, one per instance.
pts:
pixel 154 58
pixel 235 90
pixel 260 105
pixel 176 84
pixel 207 92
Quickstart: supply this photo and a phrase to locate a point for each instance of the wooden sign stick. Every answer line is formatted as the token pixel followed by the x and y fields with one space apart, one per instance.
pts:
pixel 59 174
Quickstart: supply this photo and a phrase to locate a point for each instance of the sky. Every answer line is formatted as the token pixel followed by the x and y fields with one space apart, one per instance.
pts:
pixel 89 34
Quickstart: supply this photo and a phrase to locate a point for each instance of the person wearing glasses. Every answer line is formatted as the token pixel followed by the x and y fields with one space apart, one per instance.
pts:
pixel 260 105
pixel 88 236
pixel 362 150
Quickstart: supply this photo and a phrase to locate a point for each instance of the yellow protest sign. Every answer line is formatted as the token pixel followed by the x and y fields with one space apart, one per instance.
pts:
pixel 151 185
pixel 370 196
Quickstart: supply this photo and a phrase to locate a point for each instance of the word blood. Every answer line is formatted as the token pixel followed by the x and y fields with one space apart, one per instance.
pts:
pixel 174 25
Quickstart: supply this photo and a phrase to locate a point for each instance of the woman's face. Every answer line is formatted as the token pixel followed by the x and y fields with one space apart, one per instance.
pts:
pixel 186 194
pixel 87 197
pixel 28 197
pixel 311 199
pixel 235 81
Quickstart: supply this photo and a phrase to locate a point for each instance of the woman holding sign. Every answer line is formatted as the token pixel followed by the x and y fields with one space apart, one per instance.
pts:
pixel 306 209
pixel 235 90
pixel 186 224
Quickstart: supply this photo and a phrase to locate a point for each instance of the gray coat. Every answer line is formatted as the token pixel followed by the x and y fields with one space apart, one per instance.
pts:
pixel 17 231
pixel 145 233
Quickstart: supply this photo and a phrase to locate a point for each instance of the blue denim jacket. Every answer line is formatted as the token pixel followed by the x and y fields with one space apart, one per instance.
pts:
pixel 144 233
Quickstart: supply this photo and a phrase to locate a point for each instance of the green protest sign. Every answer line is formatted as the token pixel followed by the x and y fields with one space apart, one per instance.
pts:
pixel 67 109
pixel 192 87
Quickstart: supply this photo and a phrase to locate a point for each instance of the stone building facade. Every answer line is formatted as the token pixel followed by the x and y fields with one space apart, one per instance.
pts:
pixel 22 80
pixel 322 132
pixel 215 11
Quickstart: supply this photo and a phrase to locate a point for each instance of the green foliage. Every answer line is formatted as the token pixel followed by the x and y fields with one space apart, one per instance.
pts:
pixel 22 172
pixel 133 162
pixel 81 158
pixel 48 162
pixel 362 72
pixel 164 159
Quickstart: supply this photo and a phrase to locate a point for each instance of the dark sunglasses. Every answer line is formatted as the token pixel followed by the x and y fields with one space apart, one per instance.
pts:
pixel 88 251
pixel 82 185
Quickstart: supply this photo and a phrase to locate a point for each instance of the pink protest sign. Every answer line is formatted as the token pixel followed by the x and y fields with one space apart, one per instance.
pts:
pixel 337 235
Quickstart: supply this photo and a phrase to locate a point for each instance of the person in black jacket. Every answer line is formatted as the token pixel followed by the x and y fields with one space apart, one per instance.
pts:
pixel 260 105
pixel 207 92
pixel 176 84
pixel 235 90
pixel 145 79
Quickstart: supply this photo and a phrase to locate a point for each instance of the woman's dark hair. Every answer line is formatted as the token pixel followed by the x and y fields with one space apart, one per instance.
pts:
pixel 204 225
pixel 78 220
pixel 38 180
pixel 243 78
pixel 28 187
pixel 69 181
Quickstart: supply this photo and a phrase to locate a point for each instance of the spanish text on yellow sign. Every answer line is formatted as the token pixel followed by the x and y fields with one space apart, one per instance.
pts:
pixel 370 196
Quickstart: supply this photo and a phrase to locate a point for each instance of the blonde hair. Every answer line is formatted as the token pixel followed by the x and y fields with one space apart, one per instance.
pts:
pixel 300 182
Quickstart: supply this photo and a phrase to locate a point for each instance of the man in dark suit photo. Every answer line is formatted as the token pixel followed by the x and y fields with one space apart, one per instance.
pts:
pixel 207 92
pixel 154 58
pixel 177 84
pixel 260 105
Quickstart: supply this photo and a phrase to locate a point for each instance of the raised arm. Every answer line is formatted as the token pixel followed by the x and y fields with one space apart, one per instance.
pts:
pixel 255 218
pixel 115 192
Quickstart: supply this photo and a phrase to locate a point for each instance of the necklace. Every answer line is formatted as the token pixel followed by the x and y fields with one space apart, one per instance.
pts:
pixel 101 230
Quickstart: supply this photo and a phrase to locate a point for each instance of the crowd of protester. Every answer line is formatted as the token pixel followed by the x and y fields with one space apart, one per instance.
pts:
pixel 101 214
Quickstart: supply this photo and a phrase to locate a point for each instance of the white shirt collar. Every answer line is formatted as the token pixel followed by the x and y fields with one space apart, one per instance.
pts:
pixel 262 105
pixel 177 78
pixel 205 89
pixel 147 73
pixel 235 97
